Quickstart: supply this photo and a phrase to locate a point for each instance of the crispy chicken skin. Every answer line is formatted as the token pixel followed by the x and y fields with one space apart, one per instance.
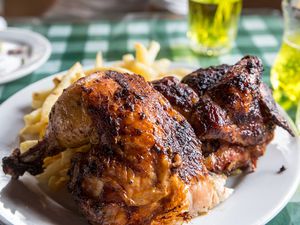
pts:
pixel 69 127
pixel 231 110
pixel 182 97
pixel 145 164
pixel 205 79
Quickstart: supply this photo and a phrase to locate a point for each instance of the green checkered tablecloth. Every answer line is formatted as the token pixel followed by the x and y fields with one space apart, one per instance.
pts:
pixel 258 35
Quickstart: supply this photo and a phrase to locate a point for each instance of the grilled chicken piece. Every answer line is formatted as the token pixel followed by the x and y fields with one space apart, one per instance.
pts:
pixel 205 79
pixel 70 126
pixel 231 110
pixel 182 97
pixel 145 164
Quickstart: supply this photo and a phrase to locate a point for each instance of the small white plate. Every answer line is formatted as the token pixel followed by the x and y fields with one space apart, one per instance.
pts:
pixel 39 51
pixel 257 198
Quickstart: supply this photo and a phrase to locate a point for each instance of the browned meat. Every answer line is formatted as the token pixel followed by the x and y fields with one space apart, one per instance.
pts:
pixel 145 164
pixel 230 157
pixel 205 79
pixel 65 130
pixel 234 109
pixel 180 95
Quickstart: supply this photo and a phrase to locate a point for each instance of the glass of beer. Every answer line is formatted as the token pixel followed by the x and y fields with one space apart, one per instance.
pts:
pixel 213 25
pixel 285 73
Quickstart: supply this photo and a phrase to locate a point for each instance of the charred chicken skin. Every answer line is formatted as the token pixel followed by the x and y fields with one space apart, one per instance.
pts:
pixel 231 110
pixel 145 164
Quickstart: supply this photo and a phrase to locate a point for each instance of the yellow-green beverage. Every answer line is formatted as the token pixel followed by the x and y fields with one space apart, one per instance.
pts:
pixel 285 74
pixel 213 25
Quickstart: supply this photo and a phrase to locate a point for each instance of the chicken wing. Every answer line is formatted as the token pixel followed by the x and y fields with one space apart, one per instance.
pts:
pixel 231 110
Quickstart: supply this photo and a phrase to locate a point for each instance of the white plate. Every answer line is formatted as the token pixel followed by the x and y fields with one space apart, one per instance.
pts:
pixel 39 46
pixel 258 196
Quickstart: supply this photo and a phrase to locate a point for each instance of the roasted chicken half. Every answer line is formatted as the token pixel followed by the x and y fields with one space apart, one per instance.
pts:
pixel 231 110
pixel 145 164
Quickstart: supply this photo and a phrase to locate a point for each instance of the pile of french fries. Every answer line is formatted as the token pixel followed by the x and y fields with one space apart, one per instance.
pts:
pixel 56 167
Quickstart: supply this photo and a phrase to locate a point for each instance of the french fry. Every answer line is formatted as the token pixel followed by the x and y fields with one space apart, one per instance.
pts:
pixel 153 50
pixel 52 169
pixel 162 66
pixel 25 145
pixel 56 80
pixel 51 159
pixel 77 77
pixel 139 68
pixel 179 72
pixel 43 131
pixel 99 60
pixel 57 182
pixel 127 58
pixel 142 54
pixel 57 167
pixel 91 71
pixel 39 97
pixel 33 117
pixel 114 68
pixel 33 129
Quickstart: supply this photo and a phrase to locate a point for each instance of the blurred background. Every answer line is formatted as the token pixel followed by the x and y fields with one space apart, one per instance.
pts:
pixel 89 9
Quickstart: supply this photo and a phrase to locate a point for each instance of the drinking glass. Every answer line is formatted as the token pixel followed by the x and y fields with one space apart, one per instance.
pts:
pixel 213 25
pixel 285 73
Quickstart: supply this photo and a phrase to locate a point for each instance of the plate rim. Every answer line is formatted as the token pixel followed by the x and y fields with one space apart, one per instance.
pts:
pixel 262 220
pixel 25 71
